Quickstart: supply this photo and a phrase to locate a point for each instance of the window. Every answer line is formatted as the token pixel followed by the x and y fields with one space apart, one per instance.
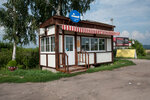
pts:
pixel 42 44
pixel 52 44
pixel 47 44
pixel 69 43
pixel 94 44
pixel 101 44
pixel 85 44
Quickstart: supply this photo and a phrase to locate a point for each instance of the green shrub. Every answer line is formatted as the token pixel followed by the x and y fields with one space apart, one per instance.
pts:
pixel 29 58
pixel 139 48
pixel 12 63
pixel 6 45
pixel 26 57
pixel 20 66
pixel 5 57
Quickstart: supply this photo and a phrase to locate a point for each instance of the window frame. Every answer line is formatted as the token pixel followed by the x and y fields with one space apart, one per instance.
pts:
pixel 44 49
pixel 98 49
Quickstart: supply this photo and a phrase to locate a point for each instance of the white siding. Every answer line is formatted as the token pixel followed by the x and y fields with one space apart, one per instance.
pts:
pixel 51 30
pixel 42 31
pixel 104 57
pixel 108 44
pixel 43 60
pixel 60 43
pixel 51 61
pixel 91 58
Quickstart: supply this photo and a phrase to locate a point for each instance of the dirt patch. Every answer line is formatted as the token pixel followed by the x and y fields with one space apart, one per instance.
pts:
pixel 127 83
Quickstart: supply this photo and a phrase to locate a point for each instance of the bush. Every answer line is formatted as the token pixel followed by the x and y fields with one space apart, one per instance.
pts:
pixel 139 48
pixel 25 57
pixel 6 45
pixel 5 57
pixel 20 66
pixel 12 63
pixel 29 58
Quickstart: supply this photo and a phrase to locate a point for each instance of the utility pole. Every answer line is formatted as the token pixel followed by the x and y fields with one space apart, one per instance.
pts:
pixel 112 20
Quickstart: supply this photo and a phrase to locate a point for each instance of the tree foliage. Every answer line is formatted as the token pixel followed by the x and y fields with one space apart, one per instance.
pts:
pixel 139 48
pixel 17 22
pixel 44 9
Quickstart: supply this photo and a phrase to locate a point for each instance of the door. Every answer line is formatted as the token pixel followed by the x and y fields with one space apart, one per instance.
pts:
pixel 69 49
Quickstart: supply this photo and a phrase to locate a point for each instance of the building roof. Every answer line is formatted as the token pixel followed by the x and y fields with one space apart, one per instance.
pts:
pixel 51 21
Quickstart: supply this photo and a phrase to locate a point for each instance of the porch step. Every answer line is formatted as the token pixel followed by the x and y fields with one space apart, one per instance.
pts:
pixel 74 69
pixel 83 70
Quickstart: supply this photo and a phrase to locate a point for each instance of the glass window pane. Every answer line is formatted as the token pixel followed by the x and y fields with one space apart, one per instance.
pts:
pixel 85 44
pixel 52 44
pixel 42 44
pixel 47 44
pixel 94 44
pixel 71 47
pixel 101 44
pixel 69 43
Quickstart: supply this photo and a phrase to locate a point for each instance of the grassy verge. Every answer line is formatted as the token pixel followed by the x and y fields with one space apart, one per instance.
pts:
pixel 145 57
pixel 21 76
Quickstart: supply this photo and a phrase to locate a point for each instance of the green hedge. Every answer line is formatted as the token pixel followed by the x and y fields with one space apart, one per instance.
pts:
pixel 5 57
pixel 27 58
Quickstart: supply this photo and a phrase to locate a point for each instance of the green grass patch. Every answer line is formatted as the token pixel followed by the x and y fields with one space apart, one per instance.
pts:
pixel 144 57
pixel 21 76
pixel 117 64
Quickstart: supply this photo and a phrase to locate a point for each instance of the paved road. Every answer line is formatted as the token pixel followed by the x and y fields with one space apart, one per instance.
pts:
pixel 128 83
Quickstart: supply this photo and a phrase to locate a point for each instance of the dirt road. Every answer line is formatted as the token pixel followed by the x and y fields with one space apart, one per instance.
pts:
pixel 128 83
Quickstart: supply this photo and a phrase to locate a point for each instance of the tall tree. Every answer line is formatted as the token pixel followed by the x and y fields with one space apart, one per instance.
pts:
pixel 19 25
pixel 43 9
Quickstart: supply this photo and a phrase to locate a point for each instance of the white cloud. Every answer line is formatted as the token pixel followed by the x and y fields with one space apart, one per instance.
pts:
pixel 137 35
pixel 142 37
pixel 116 2
pixel 125 34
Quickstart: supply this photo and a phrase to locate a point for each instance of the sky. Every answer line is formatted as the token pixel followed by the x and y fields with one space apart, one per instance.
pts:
pixel 131 17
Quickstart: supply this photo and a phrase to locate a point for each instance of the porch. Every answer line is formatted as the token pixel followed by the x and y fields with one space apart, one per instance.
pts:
pixel 82 63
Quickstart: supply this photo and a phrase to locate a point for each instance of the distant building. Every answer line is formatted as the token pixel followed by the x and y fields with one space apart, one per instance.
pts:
pixel 121 42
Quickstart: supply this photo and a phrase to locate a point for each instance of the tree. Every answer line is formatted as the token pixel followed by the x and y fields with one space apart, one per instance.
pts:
pixel 19 25
pixel 139 48
pixel 44 9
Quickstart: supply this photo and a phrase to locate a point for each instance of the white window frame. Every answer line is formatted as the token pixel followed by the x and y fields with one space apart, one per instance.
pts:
pixel 44 51
pixel 98 50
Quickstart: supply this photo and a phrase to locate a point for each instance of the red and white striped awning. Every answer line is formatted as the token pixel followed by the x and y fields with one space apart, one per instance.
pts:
pixel 88 30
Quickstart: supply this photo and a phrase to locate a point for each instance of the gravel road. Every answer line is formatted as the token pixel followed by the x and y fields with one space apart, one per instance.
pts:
pixel 127 83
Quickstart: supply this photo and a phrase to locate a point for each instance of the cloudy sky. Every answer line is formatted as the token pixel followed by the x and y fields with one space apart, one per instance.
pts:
pixel 131 17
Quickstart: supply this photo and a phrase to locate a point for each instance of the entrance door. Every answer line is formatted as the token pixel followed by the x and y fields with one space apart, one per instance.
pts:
pixel 69 49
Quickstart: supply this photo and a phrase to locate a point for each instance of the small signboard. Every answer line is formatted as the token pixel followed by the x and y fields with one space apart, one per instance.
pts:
pixel 122 41
pixel 126 53
pixel 74 16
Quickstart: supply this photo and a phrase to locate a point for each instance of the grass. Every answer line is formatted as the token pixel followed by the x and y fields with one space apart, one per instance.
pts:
pixel 21 76
pixel 145 57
